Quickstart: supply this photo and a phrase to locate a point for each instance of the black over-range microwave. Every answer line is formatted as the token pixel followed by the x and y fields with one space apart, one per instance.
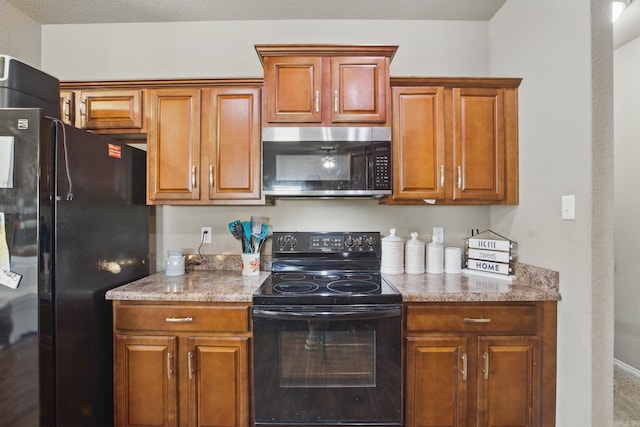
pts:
pixel 326 161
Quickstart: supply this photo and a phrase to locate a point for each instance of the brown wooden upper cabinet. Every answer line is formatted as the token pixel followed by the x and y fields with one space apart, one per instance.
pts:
pixel 104 110
pixel 326 85
pixel 455 140
pixel 203 146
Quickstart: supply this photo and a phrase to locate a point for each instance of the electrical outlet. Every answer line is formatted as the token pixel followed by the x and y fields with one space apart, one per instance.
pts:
pixel 205 234
pixel 438 233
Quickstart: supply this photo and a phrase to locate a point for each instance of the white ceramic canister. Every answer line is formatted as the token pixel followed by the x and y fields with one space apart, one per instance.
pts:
pixel 414 252
pixel 392 259
pixel 435 257
pixel 174 263
pixel 452 260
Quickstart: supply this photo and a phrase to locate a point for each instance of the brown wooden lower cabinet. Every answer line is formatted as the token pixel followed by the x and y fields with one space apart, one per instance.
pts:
pixel 480 364
pixel 195 372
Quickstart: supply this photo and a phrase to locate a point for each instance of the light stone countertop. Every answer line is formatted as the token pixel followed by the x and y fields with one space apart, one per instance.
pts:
pixel 466 288
pixel 533 284
pixel 201 285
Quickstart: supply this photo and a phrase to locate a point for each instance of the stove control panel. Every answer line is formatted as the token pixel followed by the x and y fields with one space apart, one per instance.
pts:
pixel 333 242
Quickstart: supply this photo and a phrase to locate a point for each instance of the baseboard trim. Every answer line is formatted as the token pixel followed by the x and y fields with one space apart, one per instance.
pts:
pixel 628 368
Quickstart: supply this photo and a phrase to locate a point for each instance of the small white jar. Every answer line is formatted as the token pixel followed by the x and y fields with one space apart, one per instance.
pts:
pixel 414 252
pixel 392 258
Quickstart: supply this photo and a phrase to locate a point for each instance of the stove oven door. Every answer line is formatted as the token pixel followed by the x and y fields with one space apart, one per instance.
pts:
pixel 328 365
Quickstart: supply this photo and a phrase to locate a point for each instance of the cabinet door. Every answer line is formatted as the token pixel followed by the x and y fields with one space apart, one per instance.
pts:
pixel 233 144
pixel 359 90
pixel 478 144
pixel 436 381
pixel 292 87
pixel 146 386
pixel 173 145
pixel 111 109
pixel 508 381
pixel 218 382
pixel 68 107
pixel 418 143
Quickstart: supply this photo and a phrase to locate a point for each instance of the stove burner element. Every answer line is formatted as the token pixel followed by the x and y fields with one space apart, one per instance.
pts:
pixel 364 277
pixel 353 287
pixel 295 287
pixel 294 276
pixel 326 278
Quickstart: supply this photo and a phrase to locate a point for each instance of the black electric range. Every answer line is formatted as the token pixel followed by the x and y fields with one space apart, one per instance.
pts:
pixel 317 268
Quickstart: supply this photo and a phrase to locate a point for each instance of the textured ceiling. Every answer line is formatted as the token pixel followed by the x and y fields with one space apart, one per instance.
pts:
pixel 110 11
pixel 627 28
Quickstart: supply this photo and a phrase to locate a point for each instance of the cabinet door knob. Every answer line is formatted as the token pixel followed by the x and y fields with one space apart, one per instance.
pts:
pixel 190 364
pixel 169 365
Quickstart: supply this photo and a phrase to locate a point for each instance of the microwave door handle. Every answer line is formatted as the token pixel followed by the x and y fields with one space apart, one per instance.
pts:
pixel 369 171
pixel 327 314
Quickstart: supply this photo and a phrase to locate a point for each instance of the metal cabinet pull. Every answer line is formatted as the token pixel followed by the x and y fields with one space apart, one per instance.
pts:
pixel 66 105
pixel 193 176
pixel 459 177
pixel 210 175
pixel 190 364
pixel 169 365
pixel 476 320
pixel 485 358
pixel 464 366
pixel 441 175
pixel 179 319
pixel 83 113
pixel 317 101
pixel 335 100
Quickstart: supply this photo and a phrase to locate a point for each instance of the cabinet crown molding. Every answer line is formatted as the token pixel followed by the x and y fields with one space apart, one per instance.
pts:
pixel 264 50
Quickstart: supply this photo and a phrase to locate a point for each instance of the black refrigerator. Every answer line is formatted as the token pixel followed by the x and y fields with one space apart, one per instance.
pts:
pixel 76 224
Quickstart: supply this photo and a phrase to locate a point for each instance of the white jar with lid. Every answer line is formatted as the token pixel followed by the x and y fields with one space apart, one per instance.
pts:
pixel 392 258
pixel 414 251
pixel 435 257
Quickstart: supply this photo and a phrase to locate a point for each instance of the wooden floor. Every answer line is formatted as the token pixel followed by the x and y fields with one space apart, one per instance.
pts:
pixel 19 383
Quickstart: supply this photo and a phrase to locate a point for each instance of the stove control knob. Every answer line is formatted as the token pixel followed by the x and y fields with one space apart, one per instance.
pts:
pixel 359 242
pixel 371 241
pixel 349 242
pixel 293 242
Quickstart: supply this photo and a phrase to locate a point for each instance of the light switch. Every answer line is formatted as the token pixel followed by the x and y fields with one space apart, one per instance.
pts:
pixel 569 207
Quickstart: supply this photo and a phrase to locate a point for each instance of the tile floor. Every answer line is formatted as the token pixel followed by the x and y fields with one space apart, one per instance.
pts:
pixel 626 398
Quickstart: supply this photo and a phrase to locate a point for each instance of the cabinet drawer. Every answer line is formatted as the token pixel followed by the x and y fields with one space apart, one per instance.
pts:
pixel 194 318
pixel 454 318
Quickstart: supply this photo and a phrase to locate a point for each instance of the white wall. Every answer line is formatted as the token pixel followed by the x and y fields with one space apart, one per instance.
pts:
pixel 565 148
pixel 627 202
pixel 19 35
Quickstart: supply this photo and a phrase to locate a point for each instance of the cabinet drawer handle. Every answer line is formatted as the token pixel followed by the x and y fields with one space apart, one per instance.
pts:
pixel 459 177
pixel 335 101
pixel 317 101
pixel 179 319
pixel 476 320
pixel 485 358
pixel 210 175
pixel 193 176
pixel 464 366
pixel 441 175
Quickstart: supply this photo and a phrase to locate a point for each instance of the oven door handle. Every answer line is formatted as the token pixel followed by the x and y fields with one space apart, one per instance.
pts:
pixel 369 314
